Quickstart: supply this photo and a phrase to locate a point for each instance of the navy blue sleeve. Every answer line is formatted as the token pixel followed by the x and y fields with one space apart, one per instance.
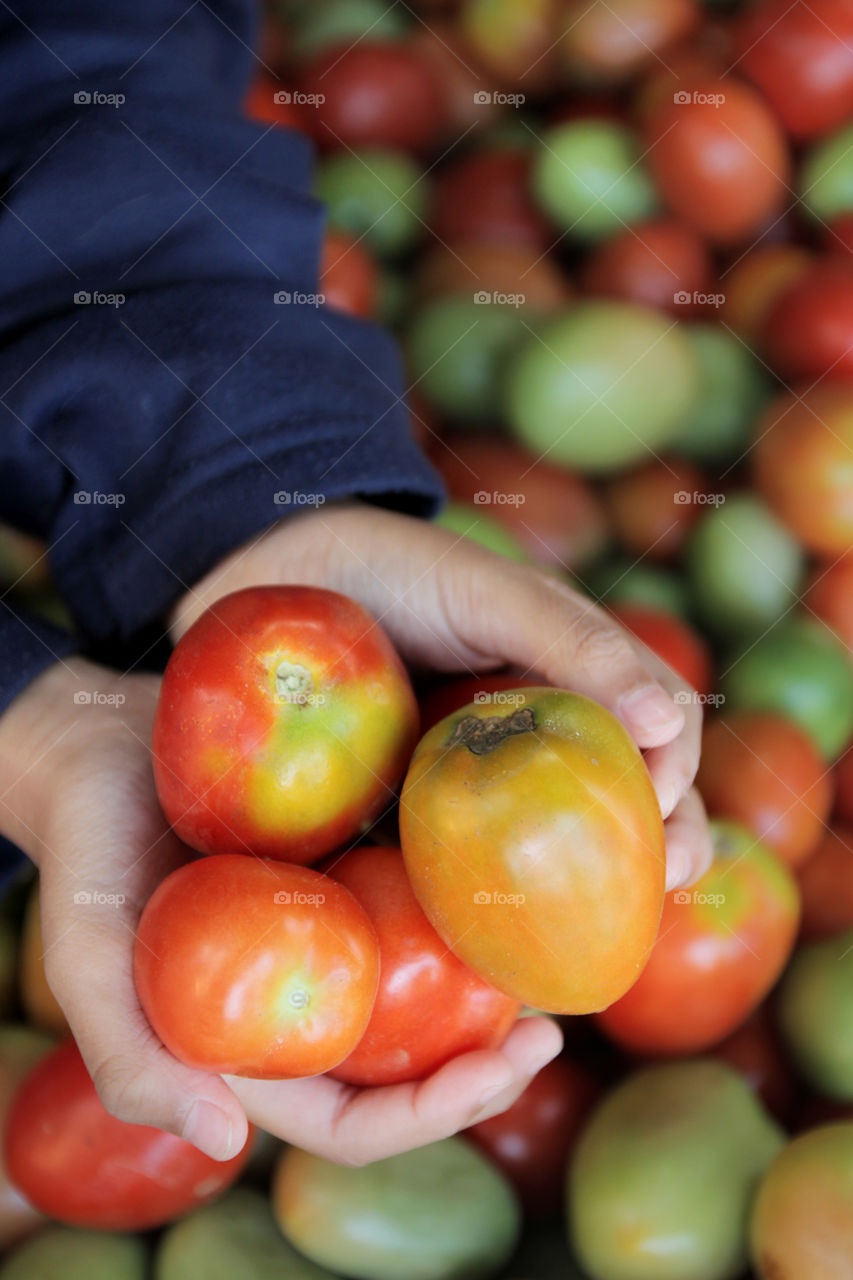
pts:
pixel 169 387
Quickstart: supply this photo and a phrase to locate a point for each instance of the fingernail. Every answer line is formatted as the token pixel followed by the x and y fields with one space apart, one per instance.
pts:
pixel 667 798
pixel 650 708
pixel 486 1099
pixel 209 1129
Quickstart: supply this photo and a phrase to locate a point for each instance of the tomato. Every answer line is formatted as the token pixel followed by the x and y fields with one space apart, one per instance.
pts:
pixel 552 511
pixel 610 43
pixel 802 1217
pixel 449 695
pixel 514 40
pixel 373 93
pixel 285 718
pixel 815 1007
pixel 530 1142
pixel 430 1007
pixel 472 267
pixel 722 945
pixel 40 1005
pixel 620 579
pixel 440 43
pixel 830 596
pixel 733 388
pixel 808 331
pixel 80 1165
pixel 826 182
pixel 256 968
pixel 844 787
pixel 457 347
pixel 269 102
pixel 75 1254
pixel 652 506
pixel 763 770
pixel 756 1051
pixel 555 901
pixel 753 283
pixel 485 196
pixel 349 280
pixel 315 27
pixel 801 56
pixel 670 638
pixel 803 467
pixel 659 263
pixel 719 158
pixel 378 193
pixel 826 885
pixel 20 1049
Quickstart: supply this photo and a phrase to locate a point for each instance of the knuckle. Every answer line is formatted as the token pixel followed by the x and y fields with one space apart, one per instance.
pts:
pixel 120 1088
pixel 598 644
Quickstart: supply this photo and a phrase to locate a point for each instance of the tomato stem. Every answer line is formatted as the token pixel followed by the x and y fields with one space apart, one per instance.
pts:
pixel 483 735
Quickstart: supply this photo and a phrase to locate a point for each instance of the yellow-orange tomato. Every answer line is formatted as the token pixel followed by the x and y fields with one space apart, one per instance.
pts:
pixel 754 283
pixel 534 842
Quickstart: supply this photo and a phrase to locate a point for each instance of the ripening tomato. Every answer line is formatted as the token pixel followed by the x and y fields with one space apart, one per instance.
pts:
pixel 763 770
pixel 285 718
pixel 659 263
pixel 486 196
pixel 829 594
pixel 609 43
pixel 349 280
pixel 754 282
pixel 719 158
pixel 721 947
pixel 447 696
pixel 670 638
pixel 555 901
pixel 530 1142
pixel 534 280
pixel 255 968
pixel 80 1165
pixel 800 55
pixel 514 40
pixel 844 787
pixel 826 885
pixel 652 506
pixel 808 332
pixel 803 460
pixel 430 1007
pixel 755 1049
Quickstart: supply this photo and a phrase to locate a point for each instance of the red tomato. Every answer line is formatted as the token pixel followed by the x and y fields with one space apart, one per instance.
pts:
pixel 609 43
pixel 373 93
pixel 671 639
pixel 808 332
pixel 486 196
pixel 471 266
pixel 270 102
pixel 721 947
pixel 719 158
pixel 752 285
pixel 449 695
pixel 830 596
pixel 800 55
pixel 255 968
pixel 430 1007
pixel 285 718
pixel 826 885
pixel 440 43
pixel 80 1165
pixel 838 237
pixel 762 770
pixel 660 263
pixel 552 511
pixel 802 459
pixel 531 1141
pixel 349 280
pixel 646 508
pixel 844 787
pixel 756 1050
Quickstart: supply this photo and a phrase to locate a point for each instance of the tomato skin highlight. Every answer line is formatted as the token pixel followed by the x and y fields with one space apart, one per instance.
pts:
pixel 242 765
pixel 256 968
pixel 80 1165
pixel 499 876
pixel 430 1007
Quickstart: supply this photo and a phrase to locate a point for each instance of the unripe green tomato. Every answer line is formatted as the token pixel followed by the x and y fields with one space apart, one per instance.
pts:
pixel 826 175
pixel 733 388
pixel 377 193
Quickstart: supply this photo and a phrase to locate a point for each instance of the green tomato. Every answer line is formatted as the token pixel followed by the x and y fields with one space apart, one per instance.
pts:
pixel 816 1013
pixel 589 178
pixel 73 1254
pixel 799 669
pixel 661 1180
pixel 744 567
pixel 826 175
pixel 236 1236
pixel 457 349
pixel 442 1212
pixel 320 26
pixel 376 192
pixel 602 385
pixel 619 580
pixel 733 388
pixel 475 523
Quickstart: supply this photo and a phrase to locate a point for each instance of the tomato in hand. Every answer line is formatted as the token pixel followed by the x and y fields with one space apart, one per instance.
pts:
pixel 80 1165
pixel 659 263
pixel 671 639
pixel 534 842
pixel 285 718
pixel 447 696
pixel 722 945
pixel 430 1007
pixel 826 885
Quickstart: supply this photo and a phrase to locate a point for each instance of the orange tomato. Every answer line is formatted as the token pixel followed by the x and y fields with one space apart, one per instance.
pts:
pixel 753 284
pixel 349 279
pixel 830 595
pixel 645 507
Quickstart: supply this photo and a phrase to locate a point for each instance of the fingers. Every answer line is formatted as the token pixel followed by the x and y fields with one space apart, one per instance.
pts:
pixel 357 1126
pixel 689 851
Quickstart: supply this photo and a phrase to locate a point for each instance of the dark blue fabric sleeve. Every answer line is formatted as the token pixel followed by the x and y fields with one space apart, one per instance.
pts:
pixel 168 387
